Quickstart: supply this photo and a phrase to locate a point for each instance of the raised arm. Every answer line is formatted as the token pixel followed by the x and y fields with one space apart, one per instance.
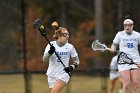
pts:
pixel 47 53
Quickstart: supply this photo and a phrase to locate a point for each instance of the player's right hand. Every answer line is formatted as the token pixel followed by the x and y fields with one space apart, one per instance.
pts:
pixel 112 50
pixel 52 50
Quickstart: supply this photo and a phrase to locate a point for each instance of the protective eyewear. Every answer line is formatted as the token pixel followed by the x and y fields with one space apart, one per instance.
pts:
pixel 65 34
pixel 128 25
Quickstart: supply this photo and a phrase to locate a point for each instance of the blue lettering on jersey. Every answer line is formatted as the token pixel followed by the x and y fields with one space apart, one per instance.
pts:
pixel 132 39
pixel 61 54
pixel 125 39
pixel 130 45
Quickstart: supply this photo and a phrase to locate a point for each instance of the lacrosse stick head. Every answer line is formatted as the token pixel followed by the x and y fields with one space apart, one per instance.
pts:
pixel 39 26
pixel 124 58
pixel 96 45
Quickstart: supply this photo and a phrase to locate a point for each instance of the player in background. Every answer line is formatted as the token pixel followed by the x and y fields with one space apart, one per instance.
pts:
pixel 114 75
pixel 57 76
pixel 128 41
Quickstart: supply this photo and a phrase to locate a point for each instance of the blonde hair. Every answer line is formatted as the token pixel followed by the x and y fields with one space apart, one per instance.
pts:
pixel 58 32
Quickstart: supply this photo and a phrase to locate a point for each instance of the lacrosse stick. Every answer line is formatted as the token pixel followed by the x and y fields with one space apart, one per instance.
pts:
pixel 123 58
pixel 96 45
pixel 40 27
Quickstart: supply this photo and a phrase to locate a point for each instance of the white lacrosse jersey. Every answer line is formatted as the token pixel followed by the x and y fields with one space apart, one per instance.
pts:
pixel 55 67
pixel 129 44
pixel 114 68
pixel 114 64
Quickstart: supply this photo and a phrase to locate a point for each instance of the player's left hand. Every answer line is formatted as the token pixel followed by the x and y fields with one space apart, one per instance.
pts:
pixel 68 69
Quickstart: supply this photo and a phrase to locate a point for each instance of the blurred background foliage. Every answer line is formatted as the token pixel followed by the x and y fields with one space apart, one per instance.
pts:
pixel 78 16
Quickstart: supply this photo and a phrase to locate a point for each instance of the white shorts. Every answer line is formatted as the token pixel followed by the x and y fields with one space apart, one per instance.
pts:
pixel 113 75
pixel 127 67
pixel 64 77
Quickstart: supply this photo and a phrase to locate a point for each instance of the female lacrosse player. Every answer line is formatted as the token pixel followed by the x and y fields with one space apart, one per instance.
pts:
pixel 57 74
pixel 128 41
pixel 113 75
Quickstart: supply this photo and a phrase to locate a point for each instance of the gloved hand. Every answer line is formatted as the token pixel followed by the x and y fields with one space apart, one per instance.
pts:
pixel 52 50
pixel 68 69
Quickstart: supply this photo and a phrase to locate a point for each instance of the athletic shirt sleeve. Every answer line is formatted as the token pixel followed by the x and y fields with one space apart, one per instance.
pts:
pixel 73 52
pixel 139 38
pixel 47 49
pixel 117 38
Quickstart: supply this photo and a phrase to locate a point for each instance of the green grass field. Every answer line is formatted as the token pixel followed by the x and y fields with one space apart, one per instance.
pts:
pixel 38 84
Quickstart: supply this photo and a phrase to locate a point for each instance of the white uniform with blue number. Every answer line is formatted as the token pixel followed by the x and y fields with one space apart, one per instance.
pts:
pixel 129 45
pixel 55 68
